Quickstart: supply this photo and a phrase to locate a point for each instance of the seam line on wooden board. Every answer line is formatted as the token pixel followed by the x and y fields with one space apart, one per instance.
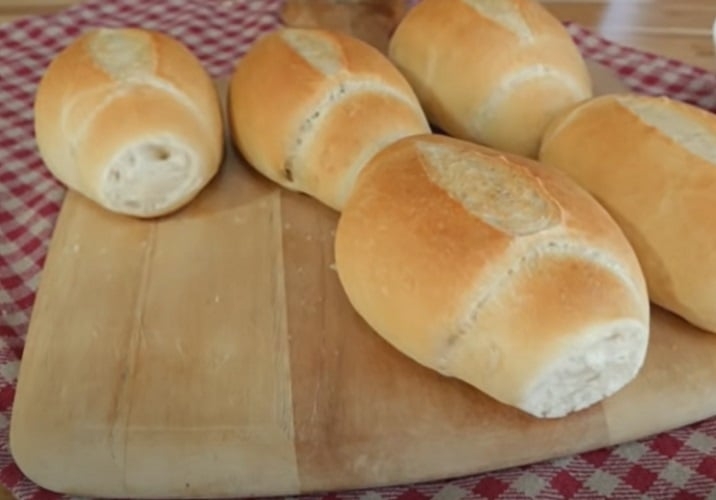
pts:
pixel 282 321
pixel 135 335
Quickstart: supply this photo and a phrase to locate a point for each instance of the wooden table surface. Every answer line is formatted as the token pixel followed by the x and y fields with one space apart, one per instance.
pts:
pixel 679 29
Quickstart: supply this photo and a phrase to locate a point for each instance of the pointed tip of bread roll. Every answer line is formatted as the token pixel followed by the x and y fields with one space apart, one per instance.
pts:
pixel 151 177
pixel 605 360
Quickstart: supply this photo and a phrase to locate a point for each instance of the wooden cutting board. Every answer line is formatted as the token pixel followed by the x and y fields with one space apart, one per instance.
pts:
pixel 213 353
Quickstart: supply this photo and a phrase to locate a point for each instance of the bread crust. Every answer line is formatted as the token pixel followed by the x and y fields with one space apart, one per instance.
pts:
pixel 646 160
pixel 345 101
pixel 475 284
pixel 117 89
pixel 492 72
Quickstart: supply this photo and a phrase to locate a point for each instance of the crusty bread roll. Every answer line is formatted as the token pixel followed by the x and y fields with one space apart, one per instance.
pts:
pixel 494 270
pixel 490 71
pixel 309 107
pixel 130 119
pixel 651 161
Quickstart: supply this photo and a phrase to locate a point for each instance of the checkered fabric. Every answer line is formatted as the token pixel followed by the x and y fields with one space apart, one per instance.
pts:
pixel 680 464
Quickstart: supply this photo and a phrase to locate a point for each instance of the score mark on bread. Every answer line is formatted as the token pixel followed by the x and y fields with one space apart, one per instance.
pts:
pixel 495 190
pixel 677 126
pixel 319 52
pixel 123 55
pixel 505 14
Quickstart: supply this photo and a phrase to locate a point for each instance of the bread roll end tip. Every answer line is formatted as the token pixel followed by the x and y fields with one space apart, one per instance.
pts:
pixel 151 177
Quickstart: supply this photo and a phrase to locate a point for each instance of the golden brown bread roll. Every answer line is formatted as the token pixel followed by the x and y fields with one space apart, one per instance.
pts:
pixel 651 161
pixel 495 270
pixel 308 108
pixel 130 119
pixel 490 71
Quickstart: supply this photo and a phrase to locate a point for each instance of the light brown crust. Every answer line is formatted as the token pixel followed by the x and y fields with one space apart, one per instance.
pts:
pixel 351 131
pixel 163 88
pixel 268 117
pixel 532 317
pixel 660 193
pixel 432 276
pixel 456 71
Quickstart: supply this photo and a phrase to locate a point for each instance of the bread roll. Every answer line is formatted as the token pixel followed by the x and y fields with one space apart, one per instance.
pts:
pixel 130 119
pixel 494 270
pixel 651 162
pixel 308 108
pixel 490 71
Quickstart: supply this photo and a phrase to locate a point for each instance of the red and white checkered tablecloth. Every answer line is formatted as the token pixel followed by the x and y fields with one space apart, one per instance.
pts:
pixel 679 465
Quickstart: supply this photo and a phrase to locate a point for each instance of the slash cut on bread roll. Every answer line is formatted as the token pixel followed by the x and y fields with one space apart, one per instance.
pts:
pixel 494 270
pixel 130 119
pixel 651 162
pixel 309 107
pixel 490 71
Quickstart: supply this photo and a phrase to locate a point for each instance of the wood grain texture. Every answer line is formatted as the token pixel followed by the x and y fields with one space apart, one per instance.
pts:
pixel 213 353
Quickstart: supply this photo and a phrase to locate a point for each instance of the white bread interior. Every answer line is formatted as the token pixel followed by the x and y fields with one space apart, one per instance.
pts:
pixel 149 176
pixel 495 72
pixel 346 101
pixel 651 161
pixel 494 270
pixel 130 119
